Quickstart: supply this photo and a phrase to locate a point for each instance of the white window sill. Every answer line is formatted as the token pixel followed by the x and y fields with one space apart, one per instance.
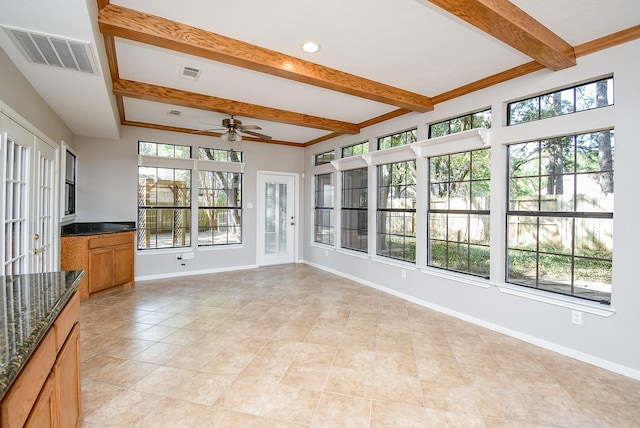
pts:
pixel 394 262
pixel 220 247
pixel 557 300
pixel 353 253
pixel 458 277
pixel 323 246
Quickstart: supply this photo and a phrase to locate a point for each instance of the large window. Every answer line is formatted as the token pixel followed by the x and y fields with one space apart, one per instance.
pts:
pixel 165 199
pixel 323 223
pixel 564 101
pixel 560 215
pixel 396 211
pixel 479 119
pixel 398 139
pixel 219 208
pixel 458 232
pixel 164 207
pixel 354 222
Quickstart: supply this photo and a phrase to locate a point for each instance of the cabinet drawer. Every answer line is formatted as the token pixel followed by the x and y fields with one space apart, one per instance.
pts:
pixel 111 240
pixel 66 320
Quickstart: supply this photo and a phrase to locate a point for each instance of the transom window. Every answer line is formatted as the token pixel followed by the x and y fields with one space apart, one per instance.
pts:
pixel 560 215
pixel 398 139
pixel 458 231
pixel 164 150
pixel 325 158
pixel 564 101
pixel 220 155
pixel 354 223
pixel 396 211
pixel 323 220
pixel 479 119
pixel 355 149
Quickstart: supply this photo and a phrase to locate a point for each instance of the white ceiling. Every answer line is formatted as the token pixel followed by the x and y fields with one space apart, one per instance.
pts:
pixel 409 44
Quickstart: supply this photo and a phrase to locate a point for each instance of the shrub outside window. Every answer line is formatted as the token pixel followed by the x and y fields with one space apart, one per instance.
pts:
pixel 396 211
pixel 560 215
pixel 458 231
pixel 564 101
pixel 354 222
pixel 323 223
pixel 479 119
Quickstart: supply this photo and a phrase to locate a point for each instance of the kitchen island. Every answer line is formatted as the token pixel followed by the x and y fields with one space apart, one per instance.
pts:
pixel 39 349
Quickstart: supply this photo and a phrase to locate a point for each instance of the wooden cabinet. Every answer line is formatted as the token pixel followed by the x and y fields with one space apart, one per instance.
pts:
pixel 47 392
pixel 108 260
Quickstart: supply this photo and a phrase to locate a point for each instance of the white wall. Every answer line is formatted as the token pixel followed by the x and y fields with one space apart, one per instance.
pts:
pixel 609 336
pixel 107 191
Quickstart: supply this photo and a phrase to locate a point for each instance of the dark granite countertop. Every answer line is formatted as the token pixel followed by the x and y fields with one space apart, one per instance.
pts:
pixel 28 306
pixel 97 228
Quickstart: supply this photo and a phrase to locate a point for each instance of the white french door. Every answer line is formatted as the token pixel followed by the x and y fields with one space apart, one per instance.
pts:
pixel 29 193
pixel 277 222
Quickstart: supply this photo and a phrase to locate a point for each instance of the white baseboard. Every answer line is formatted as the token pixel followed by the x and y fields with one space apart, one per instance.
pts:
pixel 193 272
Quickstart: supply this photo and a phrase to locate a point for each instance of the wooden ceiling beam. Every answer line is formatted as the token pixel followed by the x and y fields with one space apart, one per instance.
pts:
pixel 149 92
pixel 150 29
pixel 513 26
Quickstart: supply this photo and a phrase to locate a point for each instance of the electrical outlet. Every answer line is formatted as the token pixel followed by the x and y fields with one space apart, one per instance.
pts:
pixel 576 317
pixel 403 273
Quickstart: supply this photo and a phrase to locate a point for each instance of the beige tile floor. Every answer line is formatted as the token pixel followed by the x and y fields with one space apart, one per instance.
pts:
pixel 293 346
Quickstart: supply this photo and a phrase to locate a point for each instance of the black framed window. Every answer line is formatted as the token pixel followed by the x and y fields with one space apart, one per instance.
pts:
pixel 478 119
pixel 354 231
pixel 219 208
pixel 323 223
pixel 220 155
pixel 573 99
pixel 398 139
pixel 355 149
pixel 324 158
pixel 560 215
pixel 164 207
pixel 458 230
pixel 396 211
pixel 70 184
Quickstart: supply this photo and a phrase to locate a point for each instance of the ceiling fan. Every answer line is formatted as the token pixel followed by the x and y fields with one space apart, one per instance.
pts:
pixel 234 127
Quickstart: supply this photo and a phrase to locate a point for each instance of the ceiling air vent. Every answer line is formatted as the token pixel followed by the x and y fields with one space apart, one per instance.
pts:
pixel 174 113
pixel 54 51
pixel 190 73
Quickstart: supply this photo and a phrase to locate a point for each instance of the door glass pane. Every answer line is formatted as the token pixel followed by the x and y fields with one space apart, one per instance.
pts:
pixel 15 208
pixel 275 230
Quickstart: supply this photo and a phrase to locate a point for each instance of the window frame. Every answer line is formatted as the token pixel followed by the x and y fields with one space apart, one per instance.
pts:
pixel 559 92
pixel 237 177
pixel 403 138
pixel 572 216
pixel 470 117
pixel 383 211
pixel 452 215
pixel 361 211
pixel 362 144
pixel 324 157
pixel 323 211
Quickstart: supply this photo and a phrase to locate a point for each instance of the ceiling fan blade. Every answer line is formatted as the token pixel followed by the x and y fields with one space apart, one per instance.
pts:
pixel 249 127
pixel 256 134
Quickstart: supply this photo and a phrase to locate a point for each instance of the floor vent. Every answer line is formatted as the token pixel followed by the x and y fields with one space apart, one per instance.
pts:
pixel 55 51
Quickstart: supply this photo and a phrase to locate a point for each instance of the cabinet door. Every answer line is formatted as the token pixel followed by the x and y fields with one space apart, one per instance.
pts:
pixel 67 376
pixel 44 412
pixel 123 264
pixel 100 269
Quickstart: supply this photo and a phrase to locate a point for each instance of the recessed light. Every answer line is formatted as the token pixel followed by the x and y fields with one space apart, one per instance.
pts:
pixel 310 47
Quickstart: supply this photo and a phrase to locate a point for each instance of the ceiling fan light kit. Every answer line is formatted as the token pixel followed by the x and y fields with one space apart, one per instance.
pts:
pixel 231 135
